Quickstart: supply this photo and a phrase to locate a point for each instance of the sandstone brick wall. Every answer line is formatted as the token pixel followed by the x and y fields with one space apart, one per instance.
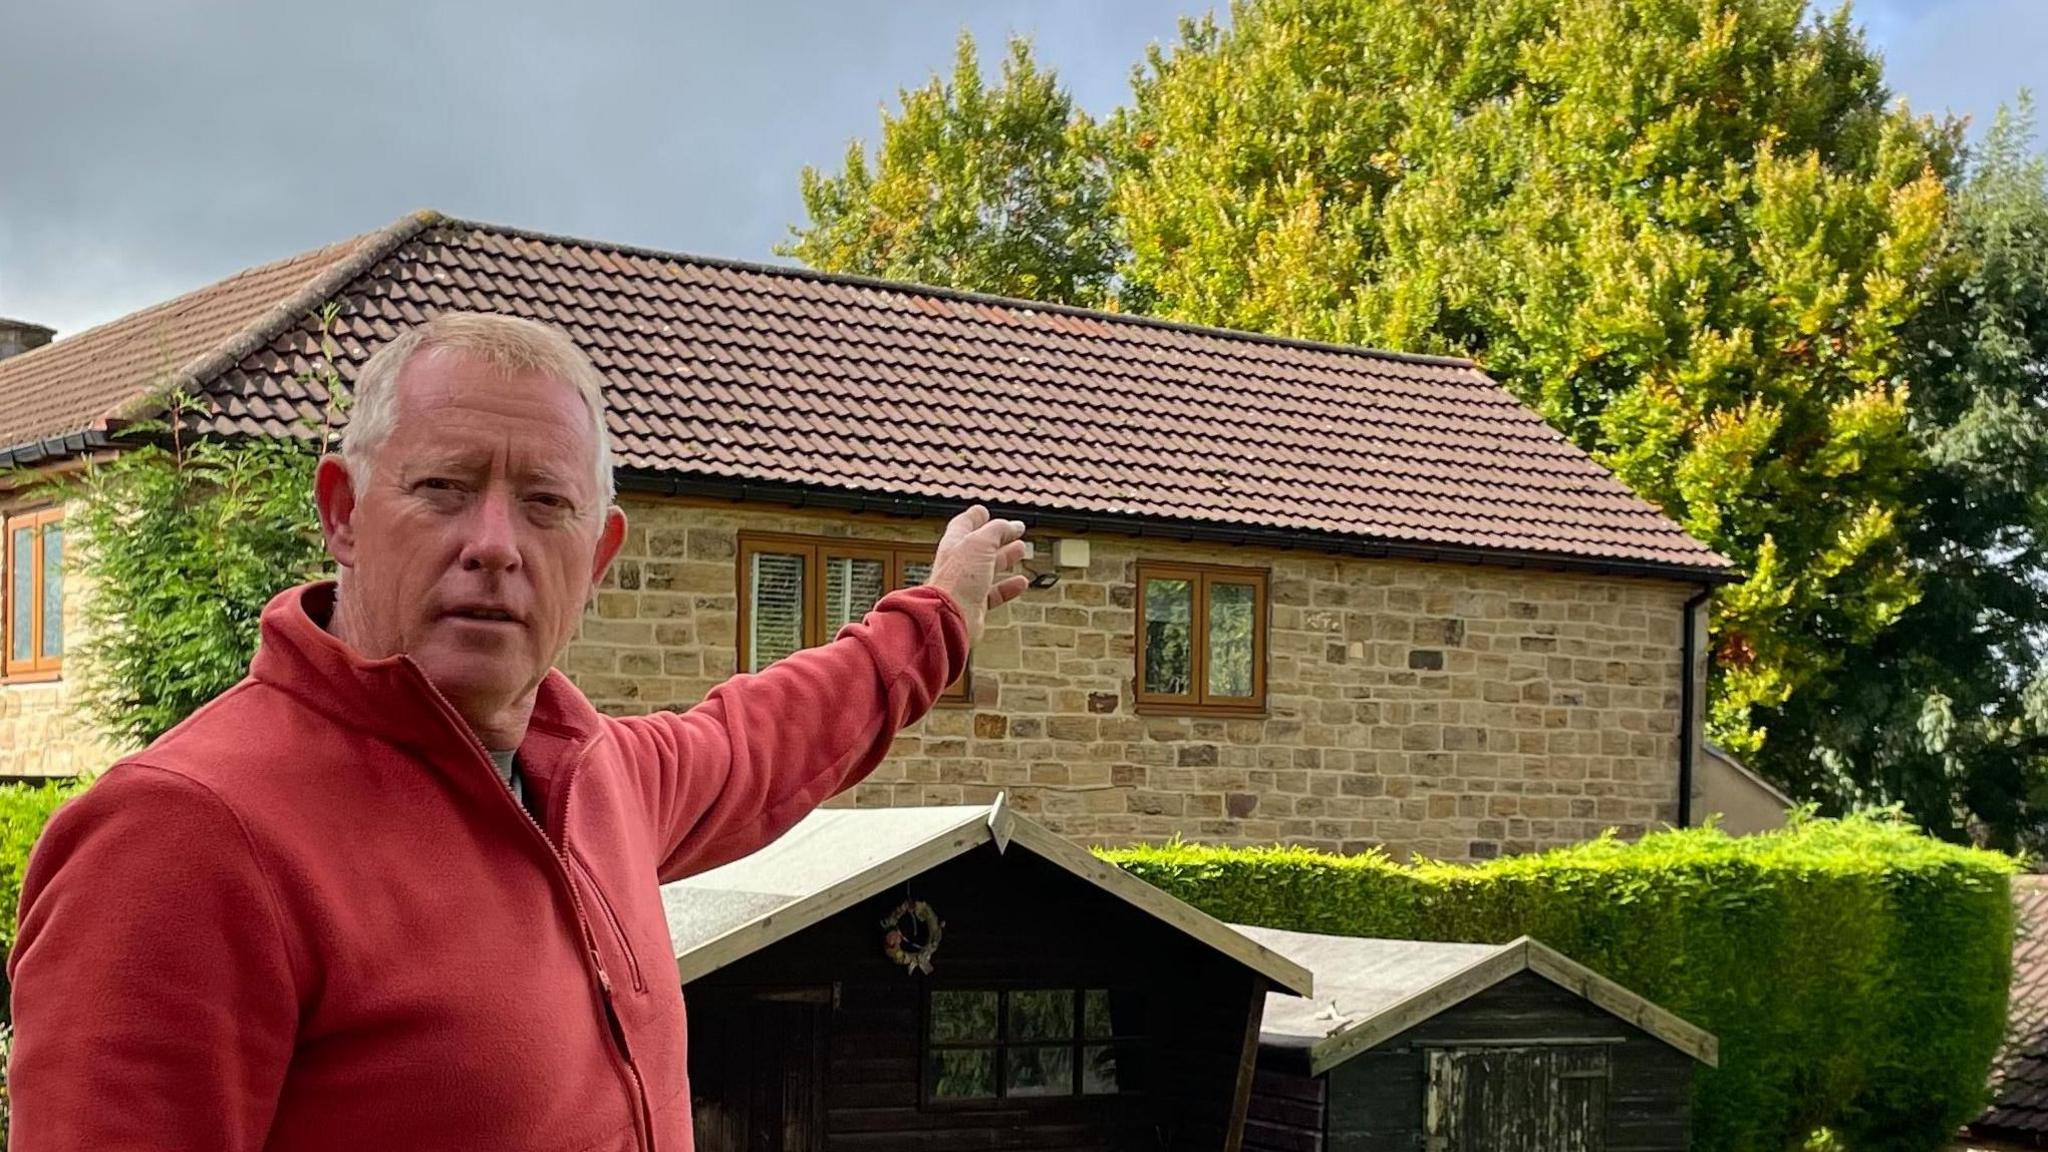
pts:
pixel 40 735
pixel 1455 711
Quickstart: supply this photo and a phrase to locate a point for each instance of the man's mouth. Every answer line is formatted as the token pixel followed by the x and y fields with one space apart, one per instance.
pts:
pixel 497 615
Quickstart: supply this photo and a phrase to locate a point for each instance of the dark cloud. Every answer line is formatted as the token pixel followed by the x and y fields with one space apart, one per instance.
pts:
pixel 149 146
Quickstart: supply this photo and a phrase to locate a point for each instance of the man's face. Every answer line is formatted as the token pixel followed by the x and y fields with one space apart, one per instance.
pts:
pixel 478 533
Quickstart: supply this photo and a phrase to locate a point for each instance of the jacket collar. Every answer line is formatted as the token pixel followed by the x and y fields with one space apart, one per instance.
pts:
pixel 391 698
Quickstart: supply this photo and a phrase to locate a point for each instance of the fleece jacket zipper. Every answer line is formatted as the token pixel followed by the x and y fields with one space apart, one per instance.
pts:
pixel 643 1119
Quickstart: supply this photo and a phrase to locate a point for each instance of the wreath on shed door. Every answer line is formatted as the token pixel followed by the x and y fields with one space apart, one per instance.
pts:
pixel 910 935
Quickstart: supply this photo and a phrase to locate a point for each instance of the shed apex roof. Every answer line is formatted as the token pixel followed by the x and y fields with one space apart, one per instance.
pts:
pixel 837 857
pixel 1370 990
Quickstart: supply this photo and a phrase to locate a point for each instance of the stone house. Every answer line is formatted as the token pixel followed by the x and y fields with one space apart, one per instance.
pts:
pixel 1286 590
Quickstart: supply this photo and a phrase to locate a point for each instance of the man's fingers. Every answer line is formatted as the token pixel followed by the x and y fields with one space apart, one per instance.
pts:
pixel 1001 531
pixel 1007 589
pixel 1010 555
pixel 964 525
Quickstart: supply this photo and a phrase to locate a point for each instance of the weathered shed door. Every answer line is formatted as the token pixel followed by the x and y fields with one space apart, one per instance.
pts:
pixel 1516 1099
pixel 757 1070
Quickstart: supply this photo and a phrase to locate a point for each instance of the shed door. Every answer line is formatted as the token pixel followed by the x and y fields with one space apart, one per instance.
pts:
pixel 757 1074
pixel 1532 1099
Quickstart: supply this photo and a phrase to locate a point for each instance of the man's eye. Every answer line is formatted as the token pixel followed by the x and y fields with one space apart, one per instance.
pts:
pixel 549 500
pixel 438 484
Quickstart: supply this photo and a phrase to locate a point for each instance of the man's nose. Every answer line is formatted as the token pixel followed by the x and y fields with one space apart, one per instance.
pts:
pixel 492 543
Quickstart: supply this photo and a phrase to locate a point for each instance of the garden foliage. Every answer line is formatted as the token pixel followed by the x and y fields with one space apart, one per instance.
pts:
pixel 24 809
pixel 1001 188
pixel 1854 970
pixel 182 547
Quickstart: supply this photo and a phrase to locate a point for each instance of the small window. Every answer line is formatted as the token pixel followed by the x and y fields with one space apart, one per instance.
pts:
pixel 32 593
pixel 1022 1044
pixel 1201 638
pixel 798 591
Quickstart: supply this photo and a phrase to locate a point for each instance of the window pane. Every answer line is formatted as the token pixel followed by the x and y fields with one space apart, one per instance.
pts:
pixel 962 1073
pixel 775 614
pixel 1039 1071
pixel 53 590
pixel 916 572
pixel 21 575
pixel 1169 626
pixel 1036 1015
pixel 958 1016
pixel 1230 639
pixel 1099 1070
pixel 1095 1015
pixel 852 585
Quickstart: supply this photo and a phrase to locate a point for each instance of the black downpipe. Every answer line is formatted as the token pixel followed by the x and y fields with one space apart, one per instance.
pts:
pixel 1688 706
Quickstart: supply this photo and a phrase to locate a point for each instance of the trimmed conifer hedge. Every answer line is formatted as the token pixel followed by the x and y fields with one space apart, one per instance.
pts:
pixel 1854 970
pixel 24 809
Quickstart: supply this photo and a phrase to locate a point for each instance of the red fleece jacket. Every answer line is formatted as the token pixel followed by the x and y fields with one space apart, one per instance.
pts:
pixel 313 917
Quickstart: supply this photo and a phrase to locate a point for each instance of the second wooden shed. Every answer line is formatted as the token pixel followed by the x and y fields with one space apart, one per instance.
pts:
pixel 1410 1045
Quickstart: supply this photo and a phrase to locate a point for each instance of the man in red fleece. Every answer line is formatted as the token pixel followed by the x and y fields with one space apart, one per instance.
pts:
pixel 397 889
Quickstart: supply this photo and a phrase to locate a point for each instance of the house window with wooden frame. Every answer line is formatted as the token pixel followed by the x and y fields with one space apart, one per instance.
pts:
pixel 1201 641
pixel 1023 1044
pixel 32 574
pixel 798 591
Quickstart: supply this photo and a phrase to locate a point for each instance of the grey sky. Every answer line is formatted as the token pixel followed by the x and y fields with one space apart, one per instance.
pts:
pixel 149 146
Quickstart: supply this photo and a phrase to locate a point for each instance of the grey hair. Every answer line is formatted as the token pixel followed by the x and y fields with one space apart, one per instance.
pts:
pixel 507 343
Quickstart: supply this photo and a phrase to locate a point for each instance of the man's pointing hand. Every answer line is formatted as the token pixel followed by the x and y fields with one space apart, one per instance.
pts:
pixel 974 565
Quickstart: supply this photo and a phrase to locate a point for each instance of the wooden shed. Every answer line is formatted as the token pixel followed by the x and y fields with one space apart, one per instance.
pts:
pixel 1409 1045
pixel 932 979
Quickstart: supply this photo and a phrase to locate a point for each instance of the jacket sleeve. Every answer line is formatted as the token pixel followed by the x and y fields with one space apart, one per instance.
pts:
pixel 153 996
pixel 763 749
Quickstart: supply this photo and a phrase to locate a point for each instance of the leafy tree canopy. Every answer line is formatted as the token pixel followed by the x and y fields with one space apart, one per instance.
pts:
pixel 1691 234
pixel 998 189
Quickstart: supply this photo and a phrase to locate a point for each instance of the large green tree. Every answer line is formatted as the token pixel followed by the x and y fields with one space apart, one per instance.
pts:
pixel 1693 233
pixel 1000 189
pixel 1950 713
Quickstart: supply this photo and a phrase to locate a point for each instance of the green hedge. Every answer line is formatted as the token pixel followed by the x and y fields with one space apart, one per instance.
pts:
pixel 1854 970
pixel 24 809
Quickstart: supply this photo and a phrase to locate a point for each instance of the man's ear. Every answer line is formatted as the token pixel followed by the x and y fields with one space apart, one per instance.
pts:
pixel 334 494
pixel 609 541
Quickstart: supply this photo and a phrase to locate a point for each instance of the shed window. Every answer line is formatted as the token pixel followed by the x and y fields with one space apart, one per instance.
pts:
pixel 1202 638
pixel 32 610
pixel 1026 1043
pixel 799 591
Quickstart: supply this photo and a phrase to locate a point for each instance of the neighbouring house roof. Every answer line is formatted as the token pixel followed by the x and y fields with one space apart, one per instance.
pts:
pixel 2019 1077
pixel 729 378
pixel 837 857
pixel 1368 991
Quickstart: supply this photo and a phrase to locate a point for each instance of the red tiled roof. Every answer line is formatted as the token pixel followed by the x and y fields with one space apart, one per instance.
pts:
pixel 79 383
pixel 731 373
pixel 2019 1105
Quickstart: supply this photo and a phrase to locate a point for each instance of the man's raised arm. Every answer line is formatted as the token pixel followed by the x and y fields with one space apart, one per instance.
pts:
pixel 763 749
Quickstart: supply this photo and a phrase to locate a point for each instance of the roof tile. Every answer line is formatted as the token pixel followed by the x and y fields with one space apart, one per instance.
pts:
pixel 2020 1074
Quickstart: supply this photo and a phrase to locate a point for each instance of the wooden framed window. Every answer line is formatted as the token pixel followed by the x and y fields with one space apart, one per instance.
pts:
pixel 1024 1044
pixel 799 591
pixel 1201 641
pixel 32 572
